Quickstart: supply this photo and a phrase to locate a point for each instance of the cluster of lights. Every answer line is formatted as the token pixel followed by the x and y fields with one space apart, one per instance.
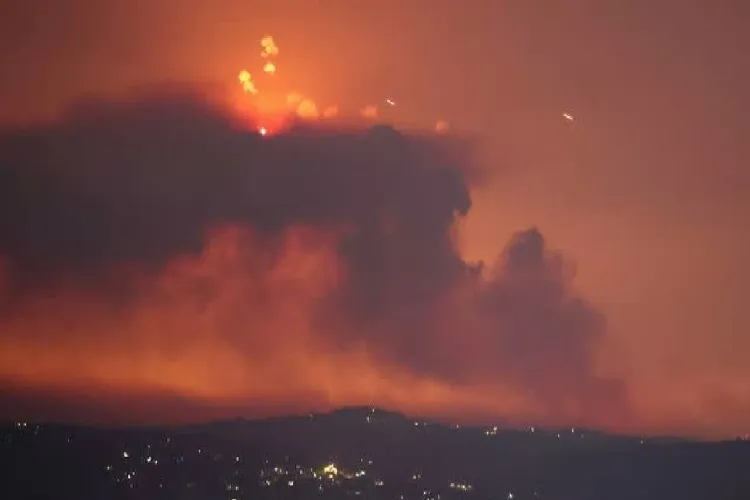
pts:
pixel 132 466
pixel 326 476
pixel 461 486
pixel 428 495
pixel 330 470
pixel 272 475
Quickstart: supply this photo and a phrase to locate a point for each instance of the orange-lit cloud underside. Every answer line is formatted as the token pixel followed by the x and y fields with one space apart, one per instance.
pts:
pixel 224 328
pixel 326 274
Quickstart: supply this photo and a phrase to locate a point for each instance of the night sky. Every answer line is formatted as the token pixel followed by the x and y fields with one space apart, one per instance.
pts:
pixel 572 251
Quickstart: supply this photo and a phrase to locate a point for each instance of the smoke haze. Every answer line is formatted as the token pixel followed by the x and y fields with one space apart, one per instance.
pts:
pixel 155 245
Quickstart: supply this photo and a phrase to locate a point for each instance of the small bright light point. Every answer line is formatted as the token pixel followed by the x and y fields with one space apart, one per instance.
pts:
pixel 391 102
pixel 263 131
pixel 568 117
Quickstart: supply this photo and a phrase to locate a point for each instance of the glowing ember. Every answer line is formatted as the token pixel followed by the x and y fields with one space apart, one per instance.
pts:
pixel 246 80
pixel 270 49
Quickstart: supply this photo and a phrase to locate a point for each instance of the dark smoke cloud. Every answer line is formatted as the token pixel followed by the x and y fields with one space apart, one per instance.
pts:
pixel 144 180
pixel 141 182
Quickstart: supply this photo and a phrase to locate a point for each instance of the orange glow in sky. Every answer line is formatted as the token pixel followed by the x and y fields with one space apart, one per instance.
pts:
pixel 625 153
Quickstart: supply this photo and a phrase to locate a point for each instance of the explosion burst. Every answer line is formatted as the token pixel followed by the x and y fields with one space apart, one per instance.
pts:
pixel 303 107
pixel 299 104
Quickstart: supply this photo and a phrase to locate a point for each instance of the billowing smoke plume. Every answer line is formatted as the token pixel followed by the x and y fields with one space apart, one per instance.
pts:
pixel 160 219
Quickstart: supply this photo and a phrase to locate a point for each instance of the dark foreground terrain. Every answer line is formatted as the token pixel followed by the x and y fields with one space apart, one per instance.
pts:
pixel 361 453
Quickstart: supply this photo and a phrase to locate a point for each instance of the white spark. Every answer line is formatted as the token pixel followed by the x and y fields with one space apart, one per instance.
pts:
pixel 568 117
pixel 390 101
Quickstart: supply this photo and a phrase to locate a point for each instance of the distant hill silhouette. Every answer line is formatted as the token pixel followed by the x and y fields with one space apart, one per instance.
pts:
pixel 409 455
